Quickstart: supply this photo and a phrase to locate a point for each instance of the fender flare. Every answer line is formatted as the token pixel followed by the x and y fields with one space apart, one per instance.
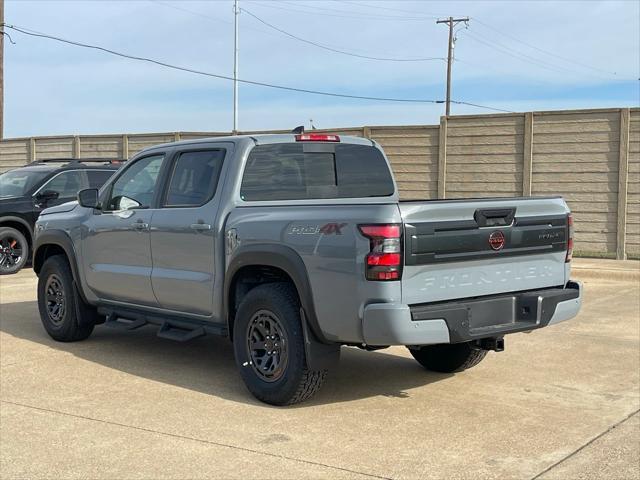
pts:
pixel 62 240
pixel 321 354
pixel 284 258
pixel 22 222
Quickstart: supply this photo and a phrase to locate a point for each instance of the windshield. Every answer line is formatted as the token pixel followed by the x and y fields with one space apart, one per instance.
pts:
pixel 16 183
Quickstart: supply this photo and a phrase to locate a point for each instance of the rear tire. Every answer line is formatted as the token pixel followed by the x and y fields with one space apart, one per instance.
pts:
pixel 269 346
pixel 64 315
pixel 448 358
pixel 14 250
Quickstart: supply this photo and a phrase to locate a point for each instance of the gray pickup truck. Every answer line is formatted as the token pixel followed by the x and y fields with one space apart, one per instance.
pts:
pixel 293 246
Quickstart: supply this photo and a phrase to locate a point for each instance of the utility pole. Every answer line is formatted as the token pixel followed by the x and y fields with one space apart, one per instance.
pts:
pixel 452 22
pixel 1 69
pixel 236 12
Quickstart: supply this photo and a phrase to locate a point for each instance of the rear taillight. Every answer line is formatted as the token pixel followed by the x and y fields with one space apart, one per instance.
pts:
pixel 384 260
pixel 569 237
pixel 317 137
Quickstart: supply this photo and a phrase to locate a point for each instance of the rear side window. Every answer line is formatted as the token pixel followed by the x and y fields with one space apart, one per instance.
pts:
pixel 287 172
pixel 194 178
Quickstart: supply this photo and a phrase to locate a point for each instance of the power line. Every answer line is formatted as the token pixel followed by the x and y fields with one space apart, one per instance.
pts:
pixel 34 33
pixel 518 55
pixel 276 29
pixel 377 16
pixel 554 67
pixel 511 37
pixel 209 17
pixel 214 75
pixel 321 11
pixel 377 7
pixel 335 50
pixel 192 12
pixel 490 68
pixel 482 106
pixel 575 62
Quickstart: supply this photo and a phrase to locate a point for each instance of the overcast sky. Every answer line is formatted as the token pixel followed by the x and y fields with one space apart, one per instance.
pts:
pixel 517 56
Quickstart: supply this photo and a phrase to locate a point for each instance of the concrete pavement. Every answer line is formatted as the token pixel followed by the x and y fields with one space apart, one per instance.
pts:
pixel 561 402
pixel 606 269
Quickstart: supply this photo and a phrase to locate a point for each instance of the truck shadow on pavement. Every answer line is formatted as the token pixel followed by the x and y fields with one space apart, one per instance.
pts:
pixel 207 364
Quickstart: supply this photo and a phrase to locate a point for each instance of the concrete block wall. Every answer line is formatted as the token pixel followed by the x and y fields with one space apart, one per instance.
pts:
pixel 591 157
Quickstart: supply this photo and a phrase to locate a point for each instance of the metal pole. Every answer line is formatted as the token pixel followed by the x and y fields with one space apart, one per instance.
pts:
pixel 449 56
pixel 451 22
pixel 236 12
pixel 2 70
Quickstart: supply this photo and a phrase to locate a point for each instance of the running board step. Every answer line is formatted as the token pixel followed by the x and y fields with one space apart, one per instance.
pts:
pixel 171 332
pixel 113 321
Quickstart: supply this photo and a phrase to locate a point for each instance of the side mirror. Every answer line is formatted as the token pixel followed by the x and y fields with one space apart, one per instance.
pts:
pixel 47 195
pixel 88 198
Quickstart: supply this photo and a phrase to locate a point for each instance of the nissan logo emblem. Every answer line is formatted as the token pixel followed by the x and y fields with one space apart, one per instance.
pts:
pixel 496 240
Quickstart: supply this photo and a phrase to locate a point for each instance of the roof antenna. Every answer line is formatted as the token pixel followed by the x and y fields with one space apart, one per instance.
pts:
pixel 298 130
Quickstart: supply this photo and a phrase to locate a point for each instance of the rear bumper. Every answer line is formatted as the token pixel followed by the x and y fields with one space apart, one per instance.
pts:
pixel 466 320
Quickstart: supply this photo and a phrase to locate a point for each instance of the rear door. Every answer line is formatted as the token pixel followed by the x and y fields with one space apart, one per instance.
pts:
pixel 183 234
pixel 466 248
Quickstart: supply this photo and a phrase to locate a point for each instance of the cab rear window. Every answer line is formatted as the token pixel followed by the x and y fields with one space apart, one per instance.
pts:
pixel 299 171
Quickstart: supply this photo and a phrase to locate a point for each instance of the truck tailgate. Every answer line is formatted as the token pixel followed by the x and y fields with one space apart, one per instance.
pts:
pixel 468 248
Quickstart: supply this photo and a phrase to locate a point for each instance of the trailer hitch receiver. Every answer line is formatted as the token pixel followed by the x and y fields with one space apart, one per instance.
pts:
pixel 493 343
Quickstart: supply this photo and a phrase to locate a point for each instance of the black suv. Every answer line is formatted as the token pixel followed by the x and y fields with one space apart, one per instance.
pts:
pixel 26 191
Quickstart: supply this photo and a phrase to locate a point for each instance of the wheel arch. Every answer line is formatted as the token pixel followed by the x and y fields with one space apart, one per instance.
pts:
pixel 281 258
pixel 56 242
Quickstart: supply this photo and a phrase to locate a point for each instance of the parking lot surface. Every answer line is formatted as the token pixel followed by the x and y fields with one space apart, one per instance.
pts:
pixel 561 402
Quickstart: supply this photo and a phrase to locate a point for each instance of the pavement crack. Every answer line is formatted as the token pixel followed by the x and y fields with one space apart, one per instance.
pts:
pixel 195 439
pixel 579 449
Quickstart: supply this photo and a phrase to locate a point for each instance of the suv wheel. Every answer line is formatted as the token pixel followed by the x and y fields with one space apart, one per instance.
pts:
pixel 65 317
pixel 14 250
pixel 269 346
pixel 448 358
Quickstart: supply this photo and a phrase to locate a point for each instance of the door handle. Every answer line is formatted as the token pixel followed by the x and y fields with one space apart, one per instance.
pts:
pixel 200 226
pixel 140 225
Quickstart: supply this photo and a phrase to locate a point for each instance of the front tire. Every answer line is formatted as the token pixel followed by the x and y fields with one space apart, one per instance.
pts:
pixel 14 250
pixel 269 346
pixel 448 358
pixel 64 315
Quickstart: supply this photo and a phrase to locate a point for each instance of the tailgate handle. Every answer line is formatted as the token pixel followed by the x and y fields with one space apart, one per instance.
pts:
pixel 494 217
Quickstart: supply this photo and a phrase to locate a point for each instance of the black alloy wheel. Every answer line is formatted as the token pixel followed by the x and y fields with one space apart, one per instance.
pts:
pixel 55 299
pixel 14 251
pixel 267 345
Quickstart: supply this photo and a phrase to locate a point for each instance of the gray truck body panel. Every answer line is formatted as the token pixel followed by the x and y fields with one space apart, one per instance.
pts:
pixel 180 261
